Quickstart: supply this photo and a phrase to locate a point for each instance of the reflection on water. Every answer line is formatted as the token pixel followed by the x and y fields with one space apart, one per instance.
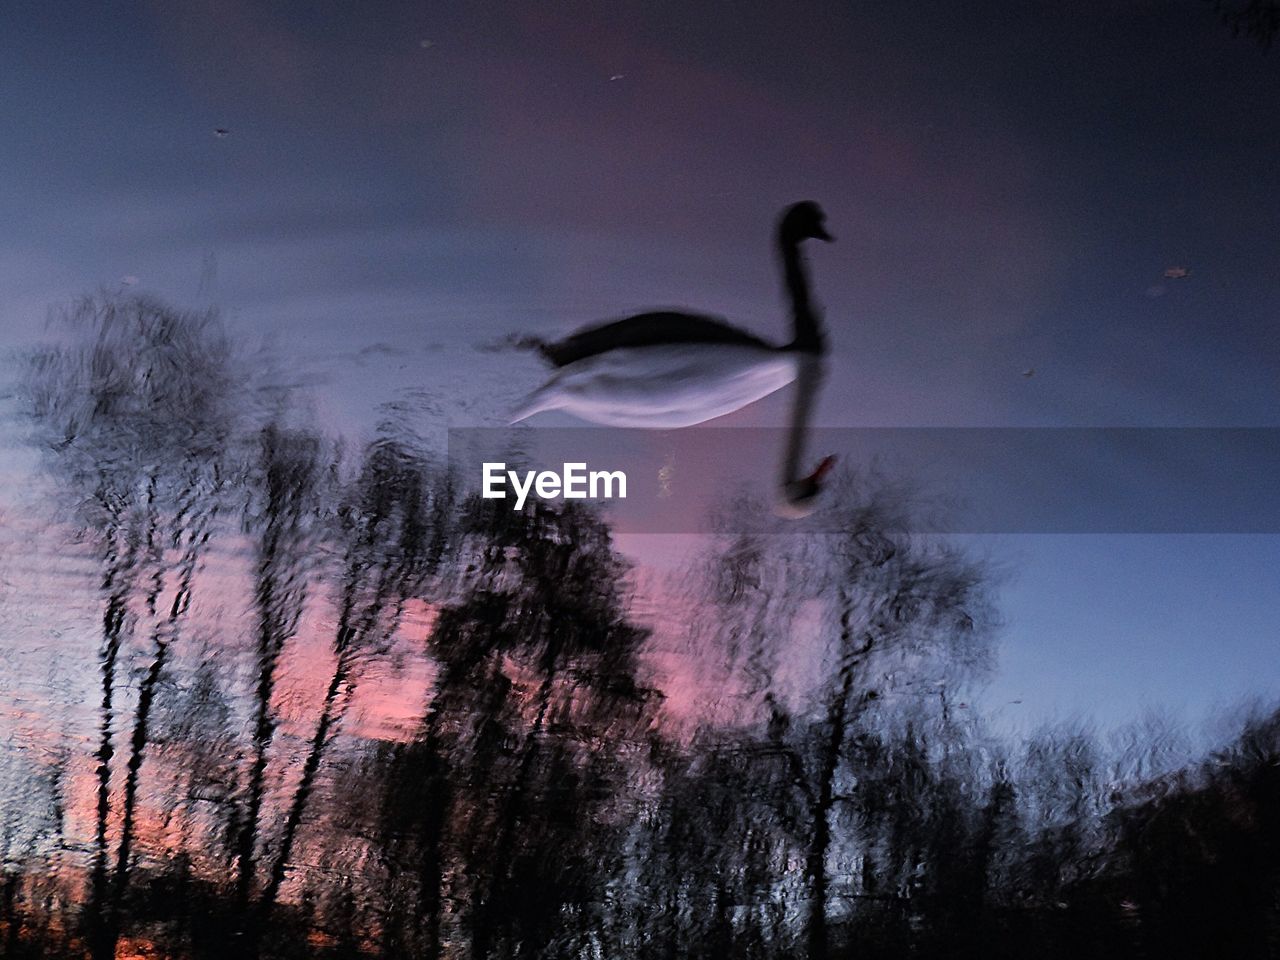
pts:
pixel 266 695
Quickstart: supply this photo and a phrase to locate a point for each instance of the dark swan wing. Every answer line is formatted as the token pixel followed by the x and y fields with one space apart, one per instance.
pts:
pixel 646 330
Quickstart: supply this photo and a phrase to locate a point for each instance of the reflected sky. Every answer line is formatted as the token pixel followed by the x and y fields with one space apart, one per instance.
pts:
pixel 1009 184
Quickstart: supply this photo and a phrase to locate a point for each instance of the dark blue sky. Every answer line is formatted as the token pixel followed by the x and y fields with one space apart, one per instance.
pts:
pixel 1008 183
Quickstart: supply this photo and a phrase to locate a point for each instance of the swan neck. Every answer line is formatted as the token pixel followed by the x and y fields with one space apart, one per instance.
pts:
pixel 808 379
pixel 805 322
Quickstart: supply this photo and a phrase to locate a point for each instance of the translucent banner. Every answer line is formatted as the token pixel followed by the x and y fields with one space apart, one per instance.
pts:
pixel 929 480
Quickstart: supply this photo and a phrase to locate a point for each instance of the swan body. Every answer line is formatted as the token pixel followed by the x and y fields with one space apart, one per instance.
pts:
pixel 674 369
pixel 664 386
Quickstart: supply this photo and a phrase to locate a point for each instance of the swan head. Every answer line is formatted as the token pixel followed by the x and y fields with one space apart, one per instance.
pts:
pixel 800 497
pixel 803 221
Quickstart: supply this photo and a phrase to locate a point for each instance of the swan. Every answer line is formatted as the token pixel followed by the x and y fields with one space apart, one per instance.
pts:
pixel 672 369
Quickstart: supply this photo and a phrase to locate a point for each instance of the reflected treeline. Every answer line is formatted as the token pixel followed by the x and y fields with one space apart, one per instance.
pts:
pixel 340 712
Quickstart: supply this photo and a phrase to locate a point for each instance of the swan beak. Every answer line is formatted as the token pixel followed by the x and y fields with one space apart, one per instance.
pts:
pixel 820 233
pixel 825 467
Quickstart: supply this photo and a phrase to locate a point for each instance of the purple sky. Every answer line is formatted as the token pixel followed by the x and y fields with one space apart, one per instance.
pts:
pixel 1007 182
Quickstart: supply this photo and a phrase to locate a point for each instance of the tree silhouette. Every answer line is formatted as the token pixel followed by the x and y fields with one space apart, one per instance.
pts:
pixel 1259 20
pixel 135 413
pixel 384 528
pixel 281 517
pixel 828 790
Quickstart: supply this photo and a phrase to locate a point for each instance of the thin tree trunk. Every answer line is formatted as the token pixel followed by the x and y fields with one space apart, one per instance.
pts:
pixel 117 586
pixel 163 635
pixel 280 594
pixel 822 802
pixel 820 837
pixel 329 715
pixel 9 911
pixel 431 861
pixel 279 611
pixel 341 686
pixel 508 820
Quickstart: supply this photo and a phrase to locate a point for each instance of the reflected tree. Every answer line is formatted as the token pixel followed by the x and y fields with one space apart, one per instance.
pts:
pixel 830 792
pixel 136 410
